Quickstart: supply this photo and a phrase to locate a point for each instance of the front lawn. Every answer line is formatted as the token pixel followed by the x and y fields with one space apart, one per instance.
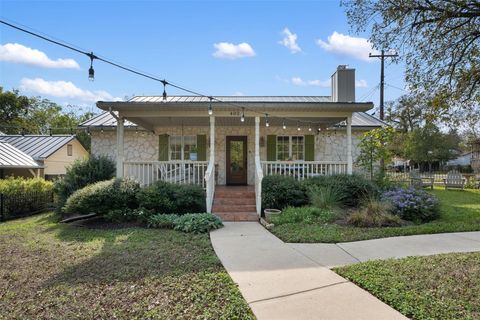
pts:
pixel 53 271
pixel 444 286
pixel 460 211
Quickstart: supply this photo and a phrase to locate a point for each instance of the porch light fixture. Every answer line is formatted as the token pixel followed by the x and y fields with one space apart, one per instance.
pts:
pixel 71 131
pixel 242 118
pixel 210 109
pixel 267 124
pixel 50 131
pixel 164 82
pixel 136 130
pixel 88 131
pixel 298 126
pixel 23 132
pixel 91 72
pixel 101 129
pixel 283 125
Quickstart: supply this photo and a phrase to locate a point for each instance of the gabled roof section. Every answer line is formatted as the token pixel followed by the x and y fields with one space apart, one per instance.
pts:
pixel 39 147
pixel 104 119
pixel 11 157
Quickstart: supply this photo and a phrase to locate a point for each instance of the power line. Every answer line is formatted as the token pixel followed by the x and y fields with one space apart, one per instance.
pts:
pixel 122 66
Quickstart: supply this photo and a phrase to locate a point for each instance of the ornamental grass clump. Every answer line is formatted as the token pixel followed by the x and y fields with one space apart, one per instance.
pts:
pixel 413 204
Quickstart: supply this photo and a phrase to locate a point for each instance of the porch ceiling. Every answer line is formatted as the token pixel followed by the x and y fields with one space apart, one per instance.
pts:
pixel 150 123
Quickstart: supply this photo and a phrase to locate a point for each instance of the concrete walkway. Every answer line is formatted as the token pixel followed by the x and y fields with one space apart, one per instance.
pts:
pixel 332 255
pixel 280 282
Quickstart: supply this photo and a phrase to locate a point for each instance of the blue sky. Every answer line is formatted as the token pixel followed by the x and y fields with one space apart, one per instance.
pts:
pixel 217 48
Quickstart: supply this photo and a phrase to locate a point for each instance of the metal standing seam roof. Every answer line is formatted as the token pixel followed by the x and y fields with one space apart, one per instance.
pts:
pixel 11 157
pixel 38 147
pixel 234 99
pixel 359 119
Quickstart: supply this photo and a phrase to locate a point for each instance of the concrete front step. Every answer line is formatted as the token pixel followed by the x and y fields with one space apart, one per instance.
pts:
pixel 234 201
pixel 237 216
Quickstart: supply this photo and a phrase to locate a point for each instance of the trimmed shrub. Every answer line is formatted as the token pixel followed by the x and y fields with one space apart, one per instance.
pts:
pixel 82 173
pixel 25 196
pixel 412 204
pixel 103 197
pixel 126 215
pixel 164 197
pixel 353 188
pixel 374 213
pixel 197 223
pixel 305 215
pixel 166 221
pixel 279 192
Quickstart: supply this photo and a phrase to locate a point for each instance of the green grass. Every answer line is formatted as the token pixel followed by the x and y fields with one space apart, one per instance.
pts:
pixel 444 286
pixel 460 211
pixel 53 271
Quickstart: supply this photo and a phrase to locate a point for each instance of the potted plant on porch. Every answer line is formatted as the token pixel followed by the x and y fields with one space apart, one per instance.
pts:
pixel 193 153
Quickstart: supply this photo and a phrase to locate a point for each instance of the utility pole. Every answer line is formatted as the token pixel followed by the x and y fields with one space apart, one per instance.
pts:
pixel 382 57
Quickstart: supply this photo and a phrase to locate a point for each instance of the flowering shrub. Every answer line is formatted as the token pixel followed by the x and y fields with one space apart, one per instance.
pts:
pixel 412 204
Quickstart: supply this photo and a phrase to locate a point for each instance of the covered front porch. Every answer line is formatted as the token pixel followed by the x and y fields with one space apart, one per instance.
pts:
pixel 233 146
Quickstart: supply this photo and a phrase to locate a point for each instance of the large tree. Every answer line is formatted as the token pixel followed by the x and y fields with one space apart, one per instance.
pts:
pixel 36 115
pixel 440 42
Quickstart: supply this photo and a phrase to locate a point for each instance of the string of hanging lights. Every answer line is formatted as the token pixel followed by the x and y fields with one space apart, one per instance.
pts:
pixel 91 77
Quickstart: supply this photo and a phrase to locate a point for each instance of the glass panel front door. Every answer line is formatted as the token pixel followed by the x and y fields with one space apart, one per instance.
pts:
pixel 236 160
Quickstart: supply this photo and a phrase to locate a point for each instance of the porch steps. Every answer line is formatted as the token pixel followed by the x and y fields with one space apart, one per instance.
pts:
pixel 235 203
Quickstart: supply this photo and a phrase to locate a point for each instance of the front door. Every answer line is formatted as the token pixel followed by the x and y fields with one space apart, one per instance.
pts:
pixel 236 160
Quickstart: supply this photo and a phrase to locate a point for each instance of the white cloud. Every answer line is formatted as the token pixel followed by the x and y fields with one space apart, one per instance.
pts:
pixel 17 53
pixel 238 93
pixel 290 41
pixel 361 83
pixel 226 50
pixel 317 83
pixel 65 89
pixel 339 43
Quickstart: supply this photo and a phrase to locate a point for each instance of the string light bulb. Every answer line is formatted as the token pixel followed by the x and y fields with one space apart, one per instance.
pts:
pixel 210 108
pixel 283 124
pixel 298 126
pixel 91 72
pixel 88 131
pixel 267 124
pixel 164 82
pixel 242 118
pixel 310 128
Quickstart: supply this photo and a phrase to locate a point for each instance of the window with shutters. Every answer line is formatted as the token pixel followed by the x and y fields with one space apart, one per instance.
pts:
pixel 290 148
pixel 181 146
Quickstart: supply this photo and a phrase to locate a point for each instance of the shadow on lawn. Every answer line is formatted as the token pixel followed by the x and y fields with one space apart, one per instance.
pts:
pixel 131 254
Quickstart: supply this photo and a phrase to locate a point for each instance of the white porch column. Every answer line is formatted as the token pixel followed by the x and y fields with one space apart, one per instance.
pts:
pixel 120 147
pixel 212 139
pixel 257 138
pixel 349 145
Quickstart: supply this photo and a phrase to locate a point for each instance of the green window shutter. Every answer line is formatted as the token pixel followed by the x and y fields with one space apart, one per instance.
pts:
pixel 309 148
pixel 271 148
pixel 163 147
pixel 202 147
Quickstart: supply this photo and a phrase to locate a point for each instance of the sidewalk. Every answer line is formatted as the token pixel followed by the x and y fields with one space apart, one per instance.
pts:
pixel 332 255
pixel 280 282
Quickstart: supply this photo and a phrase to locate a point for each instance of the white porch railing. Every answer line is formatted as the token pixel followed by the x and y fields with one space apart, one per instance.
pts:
pixel 181 172
pixel 301 170
pixel 210 185
pixel 258 185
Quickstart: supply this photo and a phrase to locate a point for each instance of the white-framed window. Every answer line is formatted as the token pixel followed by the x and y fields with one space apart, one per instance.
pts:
pixel 290 148
pixel 180 147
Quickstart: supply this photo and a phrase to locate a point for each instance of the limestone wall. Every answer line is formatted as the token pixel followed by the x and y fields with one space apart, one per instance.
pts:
pixel 329 145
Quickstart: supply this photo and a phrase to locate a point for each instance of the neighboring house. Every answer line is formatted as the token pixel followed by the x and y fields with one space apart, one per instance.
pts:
pixel 14 162
pixel 177 140
pixel 52 154
pixel 464 159
pixel 475 162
